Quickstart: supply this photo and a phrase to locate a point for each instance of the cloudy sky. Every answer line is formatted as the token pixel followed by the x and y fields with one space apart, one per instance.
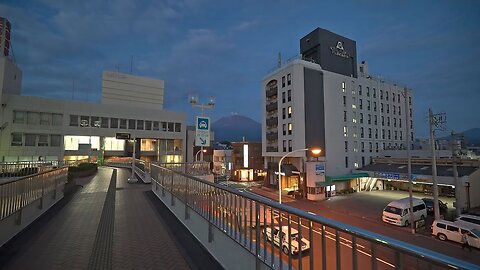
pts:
pixel 224 48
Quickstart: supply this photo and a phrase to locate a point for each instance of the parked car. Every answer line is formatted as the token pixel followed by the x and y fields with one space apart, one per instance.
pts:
pixel 447 230
pixel 397 212
pixel 280 235
pixel 469 220
pixel 429 203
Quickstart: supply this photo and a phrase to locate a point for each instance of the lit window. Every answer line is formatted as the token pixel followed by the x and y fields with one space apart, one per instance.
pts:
pixel 345 131
pixel 343 87
pixel 289 111
pixel 289 128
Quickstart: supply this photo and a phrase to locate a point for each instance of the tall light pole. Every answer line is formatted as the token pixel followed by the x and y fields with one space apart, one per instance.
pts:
pixel 210 105
pixel 315 151
pixel 436 121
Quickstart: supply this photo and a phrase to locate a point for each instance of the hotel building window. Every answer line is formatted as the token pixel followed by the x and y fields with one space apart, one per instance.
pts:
pixel 283 113
pixel 344 101
pixel 346 162
pixel 148 125
pixel 361 118
pixel 284 129
pixel 290 128
pixel 289 79
pixel 284 145
pixel 374 93
pixel 344 116
pixel 140 124
pixel 345 131
pixel 361 104
pixel 361 132
pixel 289 111
pixel 360 90
pixel 283 97
pixel 156 125
pixel 381 94
pixel 343 87
pixel 368 91
pixel 346 146
pixel 283 81
pixel 289 95
pixel 290 146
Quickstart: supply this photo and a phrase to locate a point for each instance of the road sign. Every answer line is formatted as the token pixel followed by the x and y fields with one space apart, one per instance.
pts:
pixel 202 131
pixel 122 136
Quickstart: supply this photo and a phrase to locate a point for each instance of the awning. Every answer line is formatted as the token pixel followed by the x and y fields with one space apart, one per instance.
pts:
pixel 346 177
pixel 287 169
pixel 331 179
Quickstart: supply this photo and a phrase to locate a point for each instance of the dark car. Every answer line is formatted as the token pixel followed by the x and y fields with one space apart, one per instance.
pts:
pixel 429 203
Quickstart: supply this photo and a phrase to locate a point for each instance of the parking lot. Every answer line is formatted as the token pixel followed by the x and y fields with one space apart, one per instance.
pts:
pixel 370 204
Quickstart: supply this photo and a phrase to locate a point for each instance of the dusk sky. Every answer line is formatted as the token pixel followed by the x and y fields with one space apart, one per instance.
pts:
pixel 224 48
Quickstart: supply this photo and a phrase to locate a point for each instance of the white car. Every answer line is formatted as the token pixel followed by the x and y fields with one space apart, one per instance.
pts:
pixel 447 230
pixel 281 235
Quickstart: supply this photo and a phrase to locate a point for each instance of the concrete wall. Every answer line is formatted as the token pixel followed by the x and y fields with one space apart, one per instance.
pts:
pixel 223 248
pixel 18 221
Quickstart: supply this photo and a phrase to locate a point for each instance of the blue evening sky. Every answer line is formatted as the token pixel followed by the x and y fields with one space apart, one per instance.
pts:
pixel 224 48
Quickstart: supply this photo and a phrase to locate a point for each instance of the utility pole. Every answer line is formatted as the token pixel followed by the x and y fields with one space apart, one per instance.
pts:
pixel 458 184
pixel 409 160
pixel 436 121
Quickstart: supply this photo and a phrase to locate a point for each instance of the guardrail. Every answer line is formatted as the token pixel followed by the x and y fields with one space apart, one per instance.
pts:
pixel 19 193
pixel 315 243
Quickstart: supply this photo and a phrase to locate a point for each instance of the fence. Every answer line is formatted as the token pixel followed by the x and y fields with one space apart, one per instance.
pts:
pixel 282 237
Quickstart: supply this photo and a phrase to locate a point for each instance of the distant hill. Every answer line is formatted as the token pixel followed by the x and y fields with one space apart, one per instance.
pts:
pixel 234 128
pixel 472 137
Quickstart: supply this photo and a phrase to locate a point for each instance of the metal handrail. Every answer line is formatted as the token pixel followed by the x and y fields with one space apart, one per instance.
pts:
pixel 15 194
pixel 215 203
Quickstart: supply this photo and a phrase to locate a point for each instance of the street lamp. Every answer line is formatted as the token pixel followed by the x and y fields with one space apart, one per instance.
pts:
pixel 315 151
pixel 198 152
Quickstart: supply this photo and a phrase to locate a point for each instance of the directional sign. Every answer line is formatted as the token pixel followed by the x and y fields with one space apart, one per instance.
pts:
pixel 202 131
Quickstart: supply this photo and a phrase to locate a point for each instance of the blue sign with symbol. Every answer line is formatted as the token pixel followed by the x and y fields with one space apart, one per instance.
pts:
pixel 203 123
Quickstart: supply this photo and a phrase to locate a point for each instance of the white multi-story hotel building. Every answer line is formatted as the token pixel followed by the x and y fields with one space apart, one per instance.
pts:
pixel 324 100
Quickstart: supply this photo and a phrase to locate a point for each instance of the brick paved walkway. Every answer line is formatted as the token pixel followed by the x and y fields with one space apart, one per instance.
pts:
pixel 103 228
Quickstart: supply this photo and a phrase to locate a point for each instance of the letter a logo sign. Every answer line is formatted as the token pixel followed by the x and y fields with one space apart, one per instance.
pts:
pixel 340 45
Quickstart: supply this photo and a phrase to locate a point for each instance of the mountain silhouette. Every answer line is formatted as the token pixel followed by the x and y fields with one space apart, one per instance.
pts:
pixel 235 127
pixel 471 137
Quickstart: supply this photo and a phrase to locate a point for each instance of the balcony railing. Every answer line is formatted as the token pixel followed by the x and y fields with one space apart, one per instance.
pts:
pixel 271 92
pixel 316 243
pixel 272 149
pixel 272 107
pixel 272 121
pixel 272 136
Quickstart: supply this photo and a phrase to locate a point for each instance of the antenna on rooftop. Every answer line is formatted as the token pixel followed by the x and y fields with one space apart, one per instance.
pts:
pixel 131 65
pixel 279 60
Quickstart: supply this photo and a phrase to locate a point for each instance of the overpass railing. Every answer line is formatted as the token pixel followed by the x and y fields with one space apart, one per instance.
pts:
pixel 18 193
pixel 23 168
pixel 327 244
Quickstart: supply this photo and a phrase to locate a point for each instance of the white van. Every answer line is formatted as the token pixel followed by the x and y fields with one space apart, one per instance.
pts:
pixel 470 221
pixel 398 212
pixel 447 230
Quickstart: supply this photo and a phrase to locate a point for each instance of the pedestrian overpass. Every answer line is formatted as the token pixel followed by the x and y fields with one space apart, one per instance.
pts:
pixel 230 223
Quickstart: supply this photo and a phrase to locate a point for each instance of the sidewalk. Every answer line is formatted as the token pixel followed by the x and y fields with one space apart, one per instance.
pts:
pixel 107 224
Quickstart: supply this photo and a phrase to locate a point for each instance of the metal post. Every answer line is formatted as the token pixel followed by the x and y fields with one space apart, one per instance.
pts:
pixel 458 184
pixel 409 160
pixel 132 178
pixel 434 164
